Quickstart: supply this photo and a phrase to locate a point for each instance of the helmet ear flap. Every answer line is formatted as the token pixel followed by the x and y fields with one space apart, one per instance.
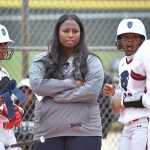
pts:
pixel 118 45
pixel 143 39
pixel 118 42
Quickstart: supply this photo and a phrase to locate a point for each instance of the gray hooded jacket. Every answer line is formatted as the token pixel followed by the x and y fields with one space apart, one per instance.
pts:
pixel 66 109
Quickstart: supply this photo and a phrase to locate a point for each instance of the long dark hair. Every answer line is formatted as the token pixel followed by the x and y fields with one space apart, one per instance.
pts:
pixel 57 57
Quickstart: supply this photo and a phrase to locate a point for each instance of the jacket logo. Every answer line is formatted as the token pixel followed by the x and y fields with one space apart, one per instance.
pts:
pixel 76 126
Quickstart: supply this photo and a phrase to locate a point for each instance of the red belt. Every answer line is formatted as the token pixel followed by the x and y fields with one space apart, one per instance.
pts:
pixel 132 121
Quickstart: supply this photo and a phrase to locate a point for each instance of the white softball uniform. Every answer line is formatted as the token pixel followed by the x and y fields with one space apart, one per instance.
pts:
pixel 140 76
pixel 7 136
pixel 134 119
pixel 141 73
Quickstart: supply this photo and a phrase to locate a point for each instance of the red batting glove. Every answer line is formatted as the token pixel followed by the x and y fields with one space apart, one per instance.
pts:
pixel 8 125
pixel 16 121
pixel 18 115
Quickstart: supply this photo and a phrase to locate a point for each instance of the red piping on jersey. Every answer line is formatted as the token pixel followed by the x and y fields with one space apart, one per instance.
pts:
pixel 128 62
pixel 137 76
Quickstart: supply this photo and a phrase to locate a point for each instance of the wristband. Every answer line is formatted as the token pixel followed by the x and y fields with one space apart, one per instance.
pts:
pixel 133 101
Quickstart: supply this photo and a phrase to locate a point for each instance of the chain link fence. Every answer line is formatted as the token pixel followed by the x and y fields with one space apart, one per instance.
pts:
pixel 30 24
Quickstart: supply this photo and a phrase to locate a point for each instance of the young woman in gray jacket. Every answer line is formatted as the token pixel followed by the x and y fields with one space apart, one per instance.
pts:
pixel 69 78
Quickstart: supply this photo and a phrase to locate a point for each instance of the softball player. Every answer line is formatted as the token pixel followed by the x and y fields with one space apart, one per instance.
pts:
pixel 7 136
pixel 140 73
pixel 140 78
pixel 130 35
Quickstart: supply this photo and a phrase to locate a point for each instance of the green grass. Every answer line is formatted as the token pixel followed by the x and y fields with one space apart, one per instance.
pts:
pixel 14 66
pixel 108 56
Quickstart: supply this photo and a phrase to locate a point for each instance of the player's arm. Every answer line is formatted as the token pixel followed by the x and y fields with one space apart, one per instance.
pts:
pixel 138 80
pixel 109 90
pixel 89 91
pixel 133 101
pixel 141 101
pixel 136 101
pixel 136 86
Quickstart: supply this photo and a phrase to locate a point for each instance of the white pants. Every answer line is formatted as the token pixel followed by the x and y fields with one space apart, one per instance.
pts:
pixel 135 135
pixel 148 136
pixel 7 137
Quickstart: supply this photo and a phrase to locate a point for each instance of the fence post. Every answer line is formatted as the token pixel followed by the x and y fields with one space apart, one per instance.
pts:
pixel 25 37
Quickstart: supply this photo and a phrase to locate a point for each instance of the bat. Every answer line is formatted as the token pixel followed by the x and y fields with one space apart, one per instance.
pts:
pixel 41 139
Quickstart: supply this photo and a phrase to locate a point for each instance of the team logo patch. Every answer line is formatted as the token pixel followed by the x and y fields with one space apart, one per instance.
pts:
pixel 130 24
pixel 3 31
pixel 124 77
pixel 76 126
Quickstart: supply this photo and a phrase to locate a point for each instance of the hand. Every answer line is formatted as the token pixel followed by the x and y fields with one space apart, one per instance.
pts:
pixel 116 105
pixel 108 90
pixel 1 101
pixel 79 82
pixel 18 115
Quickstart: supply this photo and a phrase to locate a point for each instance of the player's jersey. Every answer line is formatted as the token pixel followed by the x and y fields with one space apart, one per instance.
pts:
pixel 3 73
pixel 140 73
pixel 128 114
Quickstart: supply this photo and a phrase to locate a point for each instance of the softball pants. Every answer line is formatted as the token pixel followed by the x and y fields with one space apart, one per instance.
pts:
pixel 7 137
pixel 135 136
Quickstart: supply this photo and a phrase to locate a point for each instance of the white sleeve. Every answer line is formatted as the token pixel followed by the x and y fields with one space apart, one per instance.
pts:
pixel 146 100
pixel 117 95
pixel 3 73
pixel 140 74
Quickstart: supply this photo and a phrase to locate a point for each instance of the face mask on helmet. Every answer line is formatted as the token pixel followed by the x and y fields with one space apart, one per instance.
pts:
pixel 5 52
pixel 130 26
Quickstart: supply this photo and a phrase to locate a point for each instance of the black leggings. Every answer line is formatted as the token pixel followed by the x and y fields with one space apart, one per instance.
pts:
pixel 70 143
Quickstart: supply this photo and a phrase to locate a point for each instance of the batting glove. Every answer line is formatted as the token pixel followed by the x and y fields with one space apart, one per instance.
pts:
pixel 8 125
pixel 18 115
